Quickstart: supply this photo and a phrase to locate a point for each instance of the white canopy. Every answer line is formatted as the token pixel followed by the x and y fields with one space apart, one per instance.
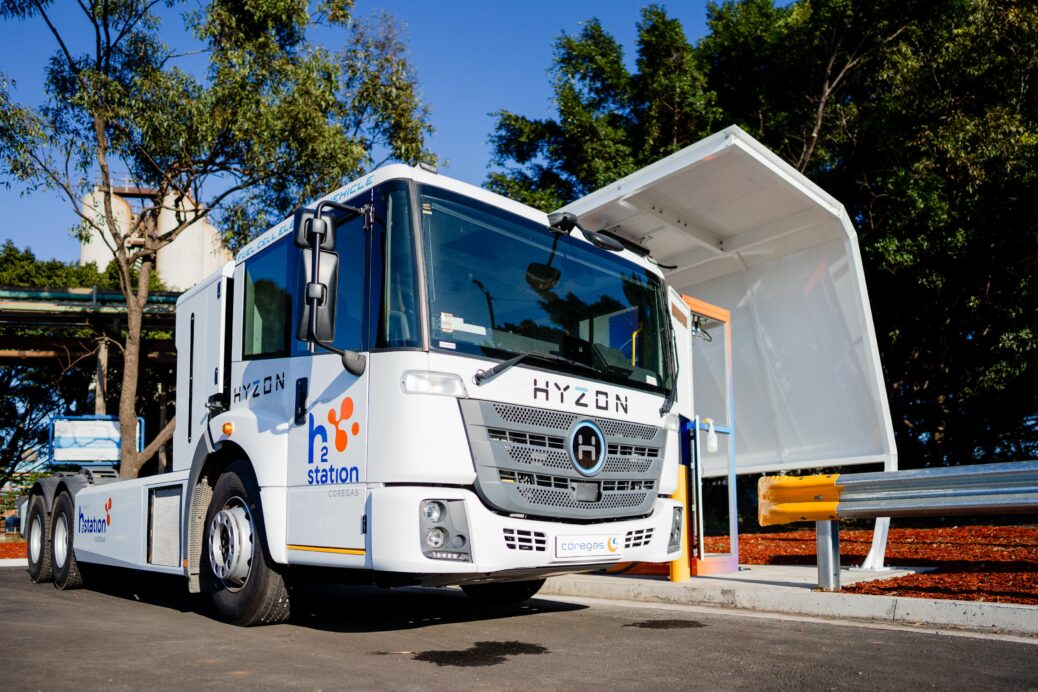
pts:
pixel 747 232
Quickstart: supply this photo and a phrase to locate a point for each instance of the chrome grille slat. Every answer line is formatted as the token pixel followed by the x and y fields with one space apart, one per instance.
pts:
pixel 563 482
pixel 542 418
pixel 564 499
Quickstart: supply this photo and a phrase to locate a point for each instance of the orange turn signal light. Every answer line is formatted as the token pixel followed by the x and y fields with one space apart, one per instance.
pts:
pixel 228 428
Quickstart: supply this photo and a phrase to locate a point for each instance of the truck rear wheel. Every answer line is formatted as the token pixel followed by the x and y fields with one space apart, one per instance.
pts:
pixel 247 589
pixel 504 592
pixel 37 541
pixel 62 529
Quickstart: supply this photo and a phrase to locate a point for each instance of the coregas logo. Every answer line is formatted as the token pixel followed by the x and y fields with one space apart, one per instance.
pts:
pixel 96 524
pixel 322 470
pixel 614 544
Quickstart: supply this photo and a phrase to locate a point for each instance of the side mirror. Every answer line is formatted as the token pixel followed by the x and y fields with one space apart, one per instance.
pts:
pixel 325 289
pixel 304 230
pixel 564 221
pixel 315 231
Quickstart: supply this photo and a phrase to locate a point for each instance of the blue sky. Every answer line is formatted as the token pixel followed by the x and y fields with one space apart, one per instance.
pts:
pixel 472 58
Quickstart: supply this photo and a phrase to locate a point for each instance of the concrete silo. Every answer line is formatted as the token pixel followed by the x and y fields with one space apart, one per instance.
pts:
pixel 93 248
pixel 195 254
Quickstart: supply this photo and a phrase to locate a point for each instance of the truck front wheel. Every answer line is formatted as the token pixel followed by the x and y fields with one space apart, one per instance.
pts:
pixel 247 589
pixel 37 542
pixel 504 592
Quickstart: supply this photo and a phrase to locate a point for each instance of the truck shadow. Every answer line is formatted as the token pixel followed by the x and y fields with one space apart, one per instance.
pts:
pixel 370 609
pixel 328 607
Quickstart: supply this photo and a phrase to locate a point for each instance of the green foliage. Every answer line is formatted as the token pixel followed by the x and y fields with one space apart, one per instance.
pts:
pixel 21 484
pixel 20 268
pixel 922 118
pixel 610 122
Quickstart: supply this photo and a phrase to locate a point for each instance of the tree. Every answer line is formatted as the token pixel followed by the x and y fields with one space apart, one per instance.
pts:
pixel 30 393
pixel 276 121
pixel 610 122
pixel 947 214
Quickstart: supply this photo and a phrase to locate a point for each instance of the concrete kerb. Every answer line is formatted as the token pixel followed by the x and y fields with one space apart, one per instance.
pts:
pixel 1000 617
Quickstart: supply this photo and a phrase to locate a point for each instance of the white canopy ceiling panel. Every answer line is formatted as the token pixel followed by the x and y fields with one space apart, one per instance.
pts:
pixel 747 232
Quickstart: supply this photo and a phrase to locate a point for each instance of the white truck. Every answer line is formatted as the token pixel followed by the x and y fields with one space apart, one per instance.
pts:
pixel 416 380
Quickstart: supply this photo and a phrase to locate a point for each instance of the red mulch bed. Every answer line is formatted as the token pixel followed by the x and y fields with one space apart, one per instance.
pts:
pixel 12 549
pixel 973 563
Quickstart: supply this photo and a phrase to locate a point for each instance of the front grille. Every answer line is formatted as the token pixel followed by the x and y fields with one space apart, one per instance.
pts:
pixel 519 539
pixel 523 467
pixel 637 538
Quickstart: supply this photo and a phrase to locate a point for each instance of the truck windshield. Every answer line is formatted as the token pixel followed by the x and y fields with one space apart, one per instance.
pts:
pixel 500 285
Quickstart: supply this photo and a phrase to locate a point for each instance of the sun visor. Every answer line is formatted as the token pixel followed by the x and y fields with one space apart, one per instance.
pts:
pixel 747 232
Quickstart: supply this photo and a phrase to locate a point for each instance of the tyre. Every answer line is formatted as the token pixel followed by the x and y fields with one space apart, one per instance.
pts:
pixel 37 541
pixel 62 530
pixel 247 589
pixel 504 592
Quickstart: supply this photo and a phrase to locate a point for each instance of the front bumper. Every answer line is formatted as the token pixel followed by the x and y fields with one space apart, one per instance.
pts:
pixel 502 544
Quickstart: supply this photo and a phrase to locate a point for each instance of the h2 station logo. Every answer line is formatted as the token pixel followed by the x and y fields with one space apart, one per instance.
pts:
pixel 95 524
pixel 322 470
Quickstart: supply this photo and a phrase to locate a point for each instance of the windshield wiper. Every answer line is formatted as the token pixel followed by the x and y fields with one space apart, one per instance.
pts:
pixel 483 376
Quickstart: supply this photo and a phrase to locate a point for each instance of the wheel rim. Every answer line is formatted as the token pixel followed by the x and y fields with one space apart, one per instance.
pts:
pixel 231 543
pixel 60 541
pixel 35 539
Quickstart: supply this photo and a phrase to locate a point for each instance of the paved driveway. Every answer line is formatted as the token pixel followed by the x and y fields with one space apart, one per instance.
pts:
pixel 147 632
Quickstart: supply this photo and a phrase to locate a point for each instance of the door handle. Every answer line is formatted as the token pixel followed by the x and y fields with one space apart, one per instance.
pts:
pixel 302 389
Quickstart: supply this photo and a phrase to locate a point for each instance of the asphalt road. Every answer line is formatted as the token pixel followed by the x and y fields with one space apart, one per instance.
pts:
pixel 148 633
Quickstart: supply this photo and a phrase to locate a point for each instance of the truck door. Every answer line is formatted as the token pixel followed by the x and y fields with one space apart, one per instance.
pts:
pixel 327 461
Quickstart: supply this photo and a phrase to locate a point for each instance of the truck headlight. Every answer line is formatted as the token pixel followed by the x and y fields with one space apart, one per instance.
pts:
pixel 436 537
pixel 674 544
pixel 444 530
pixel 434 511
pixel 439 383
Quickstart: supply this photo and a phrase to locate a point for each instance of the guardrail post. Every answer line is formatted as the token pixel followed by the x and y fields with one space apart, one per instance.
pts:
pixel 827 536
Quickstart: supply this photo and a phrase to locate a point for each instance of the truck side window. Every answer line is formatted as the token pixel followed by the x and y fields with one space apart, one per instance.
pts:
pixel 395 300
pixel 268 302
pixel 350 244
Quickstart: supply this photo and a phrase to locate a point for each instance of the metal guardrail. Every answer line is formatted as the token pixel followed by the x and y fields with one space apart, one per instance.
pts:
pixel 1007 488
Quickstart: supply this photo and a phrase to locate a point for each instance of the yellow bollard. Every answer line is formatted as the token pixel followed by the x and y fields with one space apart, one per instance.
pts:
pixel 680 569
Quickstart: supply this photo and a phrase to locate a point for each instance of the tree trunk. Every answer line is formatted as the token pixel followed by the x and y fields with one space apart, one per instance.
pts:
pixel 130 459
